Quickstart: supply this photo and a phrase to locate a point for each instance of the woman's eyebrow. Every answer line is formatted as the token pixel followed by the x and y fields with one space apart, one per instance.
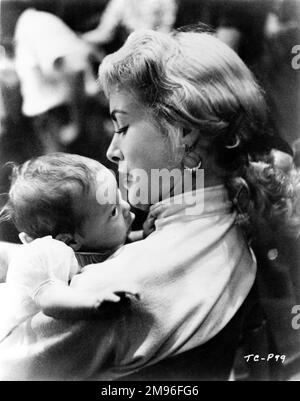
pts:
pixel 114 112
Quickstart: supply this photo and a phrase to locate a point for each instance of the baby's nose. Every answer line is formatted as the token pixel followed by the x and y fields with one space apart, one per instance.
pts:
pixel 125 208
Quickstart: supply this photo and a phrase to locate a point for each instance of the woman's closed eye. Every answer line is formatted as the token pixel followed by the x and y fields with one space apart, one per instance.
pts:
pixel 122 130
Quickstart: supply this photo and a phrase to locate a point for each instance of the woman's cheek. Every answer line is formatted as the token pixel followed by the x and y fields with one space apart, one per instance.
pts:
pixel 139 196
pixel 136 155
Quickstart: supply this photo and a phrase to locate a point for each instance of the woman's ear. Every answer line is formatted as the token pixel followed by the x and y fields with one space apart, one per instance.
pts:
pixel 70 240
pixel 193 150
pixel 25 238
pixel 190 136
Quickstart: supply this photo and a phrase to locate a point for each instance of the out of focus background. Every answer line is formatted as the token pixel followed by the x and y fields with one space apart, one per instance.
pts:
pixel 50 51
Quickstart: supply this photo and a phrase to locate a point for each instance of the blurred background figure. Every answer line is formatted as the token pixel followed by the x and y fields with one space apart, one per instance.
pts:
pixel 55 70
pixel 279 79
pixel 263 33
pixel 130 15
pixel 18 141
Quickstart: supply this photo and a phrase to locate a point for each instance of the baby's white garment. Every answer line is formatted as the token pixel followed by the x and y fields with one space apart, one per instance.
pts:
pixel 26 276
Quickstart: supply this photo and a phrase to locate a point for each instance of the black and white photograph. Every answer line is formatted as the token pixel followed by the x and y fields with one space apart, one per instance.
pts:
pixel 149 193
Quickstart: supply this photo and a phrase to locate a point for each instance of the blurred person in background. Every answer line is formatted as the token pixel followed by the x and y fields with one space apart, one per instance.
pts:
pixel 276 73
pixel 131 15
pixel 263 34
pixel 56 76
pixel 18 141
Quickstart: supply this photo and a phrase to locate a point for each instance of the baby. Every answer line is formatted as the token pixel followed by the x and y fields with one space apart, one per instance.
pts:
pixel 64 197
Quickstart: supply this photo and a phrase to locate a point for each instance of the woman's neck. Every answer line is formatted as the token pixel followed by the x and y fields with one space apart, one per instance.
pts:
pixel 197 180
pixel 212 180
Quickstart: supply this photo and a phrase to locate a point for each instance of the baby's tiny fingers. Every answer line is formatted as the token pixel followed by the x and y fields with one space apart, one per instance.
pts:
pixel 128 294
pixel 111 297
pixel 148 231
pixel 107 297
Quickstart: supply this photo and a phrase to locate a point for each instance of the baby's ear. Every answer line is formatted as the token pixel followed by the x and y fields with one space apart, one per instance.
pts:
pixel 25 238
pixel 69 239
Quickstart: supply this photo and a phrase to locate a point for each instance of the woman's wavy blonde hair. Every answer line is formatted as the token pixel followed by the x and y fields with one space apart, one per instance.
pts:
pixel 192 79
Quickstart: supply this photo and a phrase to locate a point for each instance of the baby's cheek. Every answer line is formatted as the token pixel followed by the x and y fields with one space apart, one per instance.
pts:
pixel 122 230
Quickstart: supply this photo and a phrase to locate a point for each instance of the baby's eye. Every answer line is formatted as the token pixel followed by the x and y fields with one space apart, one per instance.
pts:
pixel 114 212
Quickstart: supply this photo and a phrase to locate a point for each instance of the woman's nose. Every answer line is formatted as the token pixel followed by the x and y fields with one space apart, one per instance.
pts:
pixel 114 153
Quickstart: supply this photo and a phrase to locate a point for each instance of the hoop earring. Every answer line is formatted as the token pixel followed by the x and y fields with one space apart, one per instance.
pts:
pixel 187 150
pixel 193 169
pixel 235 145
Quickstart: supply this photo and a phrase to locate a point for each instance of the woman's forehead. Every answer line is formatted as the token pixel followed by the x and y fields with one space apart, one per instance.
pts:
pixel 123 101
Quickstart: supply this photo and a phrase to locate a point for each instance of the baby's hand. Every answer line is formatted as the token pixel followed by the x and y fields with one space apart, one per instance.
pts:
pixel 149 224
pixel 102 304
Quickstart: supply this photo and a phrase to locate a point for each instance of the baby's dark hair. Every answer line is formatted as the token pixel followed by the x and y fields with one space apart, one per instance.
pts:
pixel 43 194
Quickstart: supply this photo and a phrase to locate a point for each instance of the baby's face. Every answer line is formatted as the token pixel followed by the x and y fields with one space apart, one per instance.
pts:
pixel 108 219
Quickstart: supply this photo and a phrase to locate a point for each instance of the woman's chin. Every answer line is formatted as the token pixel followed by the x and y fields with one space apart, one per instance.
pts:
pixel 137 197
pixel 137 202
pixel 138 205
